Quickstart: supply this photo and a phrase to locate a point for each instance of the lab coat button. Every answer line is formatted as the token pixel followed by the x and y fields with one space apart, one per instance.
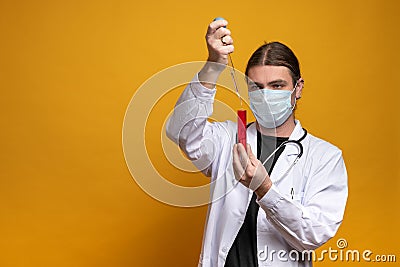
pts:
pixel 224 249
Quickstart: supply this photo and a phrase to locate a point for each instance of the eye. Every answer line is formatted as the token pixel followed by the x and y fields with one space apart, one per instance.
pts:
pixel 277 86
pixel 253 86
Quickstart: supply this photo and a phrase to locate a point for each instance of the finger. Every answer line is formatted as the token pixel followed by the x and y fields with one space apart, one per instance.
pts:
pixel 226 49
pixel 243 157
pixel 240 155
pixel 221 32
pixel 235 152
pixel 248 150
pixel 252 157
pixel 237 166
pixel 259 176
pixel 227 40
pixel 216 25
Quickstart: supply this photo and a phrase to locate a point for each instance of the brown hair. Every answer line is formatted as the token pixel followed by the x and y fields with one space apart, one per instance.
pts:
pixel 275 54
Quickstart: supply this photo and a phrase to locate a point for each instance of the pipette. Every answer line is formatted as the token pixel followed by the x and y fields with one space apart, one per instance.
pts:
pixel 241 113
pixel 232 70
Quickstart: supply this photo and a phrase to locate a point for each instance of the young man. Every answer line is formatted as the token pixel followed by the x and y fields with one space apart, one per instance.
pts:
pixel 285 193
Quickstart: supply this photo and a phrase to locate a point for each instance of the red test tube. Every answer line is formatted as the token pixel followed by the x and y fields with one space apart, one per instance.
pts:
pixel 241 137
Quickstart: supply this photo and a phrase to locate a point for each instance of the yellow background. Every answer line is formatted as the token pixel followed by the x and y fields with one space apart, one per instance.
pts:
pixel 68 70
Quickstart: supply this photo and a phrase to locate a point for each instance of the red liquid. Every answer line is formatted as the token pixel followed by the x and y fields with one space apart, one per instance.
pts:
pixel 242 127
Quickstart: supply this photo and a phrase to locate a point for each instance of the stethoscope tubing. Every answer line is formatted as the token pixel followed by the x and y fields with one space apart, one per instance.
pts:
pixel 299 146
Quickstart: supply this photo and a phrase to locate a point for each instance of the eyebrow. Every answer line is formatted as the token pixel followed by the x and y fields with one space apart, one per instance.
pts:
pixel 259 85
pixel 279 81
pixel 271 83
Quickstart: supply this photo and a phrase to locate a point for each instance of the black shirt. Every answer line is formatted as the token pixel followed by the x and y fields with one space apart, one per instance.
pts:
pixel 243 252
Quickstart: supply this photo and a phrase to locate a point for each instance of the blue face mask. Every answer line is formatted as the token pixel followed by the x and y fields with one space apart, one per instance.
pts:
pixel 271 107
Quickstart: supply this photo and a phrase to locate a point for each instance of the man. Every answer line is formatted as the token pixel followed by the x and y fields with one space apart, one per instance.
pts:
pixel 269 201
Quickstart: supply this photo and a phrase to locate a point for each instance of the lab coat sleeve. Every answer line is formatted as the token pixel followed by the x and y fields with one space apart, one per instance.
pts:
pixel 188 126
pixel 309 225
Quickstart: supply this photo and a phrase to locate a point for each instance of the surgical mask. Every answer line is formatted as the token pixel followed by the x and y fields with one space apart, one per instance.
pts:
pixel 271 107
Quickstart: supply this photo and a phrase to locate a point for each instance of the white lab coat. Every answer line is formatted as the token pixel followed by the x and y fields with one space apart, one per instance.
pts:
pixel 307 221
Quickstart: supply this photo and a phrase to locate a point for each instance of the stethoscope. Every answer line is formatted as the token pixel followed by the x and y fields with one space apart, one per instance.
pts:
pixel 298 145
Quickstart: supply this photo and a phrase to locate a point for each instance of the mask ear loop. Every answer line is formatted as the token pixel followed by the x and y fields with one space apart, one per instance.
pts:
pixel 295 98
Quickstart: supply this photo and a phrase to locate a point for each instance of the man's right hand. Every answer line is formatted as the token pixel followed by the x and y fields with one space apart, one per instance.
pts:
pixel 219 45
pixel 219 42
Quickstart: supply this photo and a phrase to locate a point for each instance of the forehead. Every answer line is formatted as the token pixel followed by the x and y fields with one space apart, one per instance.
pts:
pixel 266 74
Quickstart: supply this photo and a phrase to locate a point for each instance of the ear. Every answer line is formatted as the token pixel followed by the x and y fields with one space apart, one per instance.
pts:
pixel 299 88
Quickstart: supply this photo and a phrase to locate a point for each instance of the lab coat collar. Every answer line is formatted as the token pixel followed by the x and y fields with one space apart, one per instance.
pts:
pixel 295 135
pixel 297 131
pixel 289 151
pixel 287 157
